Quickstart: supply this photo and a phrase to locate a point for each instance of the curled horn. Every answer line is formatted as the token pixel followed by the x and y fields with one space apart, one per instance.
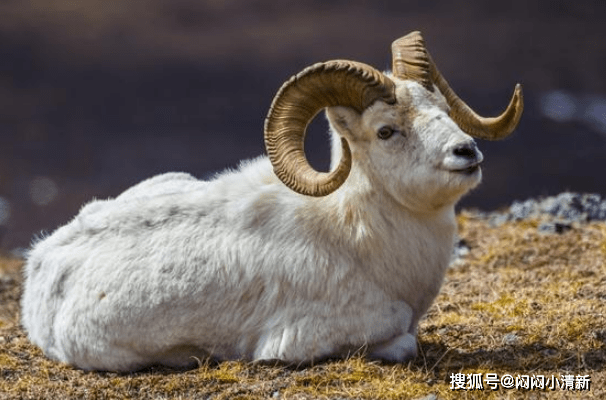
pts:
pixel 411 60
pixel 331 83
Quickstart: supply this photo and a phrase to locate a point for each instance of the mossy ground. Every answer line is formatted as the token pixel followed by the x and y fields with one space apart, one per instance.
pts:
pixel 520 303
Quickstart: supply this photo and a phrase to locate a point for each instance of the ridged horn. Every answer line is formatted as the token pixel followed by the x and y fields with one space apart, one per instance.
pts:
pixel 411 60
pixel 332 83
pixel 495 128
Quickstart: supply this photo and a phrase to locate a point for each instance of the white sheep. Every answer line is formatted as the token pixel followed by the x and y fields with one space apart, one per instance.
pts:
pixel 275 260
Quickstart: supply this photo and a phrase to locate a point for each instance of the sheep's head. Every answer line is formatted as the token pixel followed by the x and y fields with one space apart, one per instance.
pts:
pixel 409 129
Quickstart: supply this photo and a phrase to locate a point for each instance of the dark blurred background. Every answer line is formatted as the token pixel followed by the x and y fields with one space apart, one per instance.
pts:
pixel 97 95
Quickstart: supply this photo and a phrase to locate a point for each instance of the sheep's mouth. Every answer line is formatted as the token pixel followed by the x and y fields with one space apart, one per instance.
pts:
pixel 470 170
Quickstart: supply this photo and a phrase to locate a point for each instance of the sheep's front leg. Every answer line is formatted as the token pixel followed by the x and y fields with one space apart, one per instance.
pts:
pixel 312 334
pixel 398 349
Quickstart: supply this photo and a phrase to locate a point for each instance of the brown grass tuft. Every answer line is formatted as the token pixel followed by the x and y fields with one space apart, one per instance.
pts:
pixel 520 302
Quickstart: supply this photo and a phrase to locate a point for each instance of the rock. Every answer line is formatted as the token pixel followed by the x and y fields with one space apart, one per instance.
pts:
pixel 554 227
pixel 558 213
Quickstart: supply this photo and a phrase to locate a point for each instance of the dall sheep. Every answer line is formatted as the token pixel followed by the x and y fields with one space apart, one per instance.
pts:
pixel 275 260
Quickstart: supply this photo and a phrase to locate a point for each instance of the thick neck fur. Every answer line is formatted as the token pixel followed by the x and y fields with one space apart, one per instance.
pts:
pixel 402 251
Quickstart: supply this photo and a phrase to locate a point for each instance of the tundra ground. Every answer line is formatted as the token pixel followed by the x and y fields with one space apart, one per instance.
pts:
pixel 520 302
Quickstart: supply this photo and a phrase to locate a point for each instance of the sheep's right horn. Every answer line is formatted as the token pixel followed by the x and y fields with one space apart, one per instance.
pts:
pixel 332 83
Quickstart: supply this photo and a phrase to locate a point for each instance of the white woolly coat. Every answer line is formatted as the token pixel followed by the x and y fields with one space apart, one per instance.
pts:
pixel 241 267
pixel 116 292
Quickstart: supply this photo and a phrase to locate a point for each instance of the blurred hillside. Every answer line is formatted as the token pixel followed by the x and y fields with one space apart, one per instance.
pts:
pixel 97 95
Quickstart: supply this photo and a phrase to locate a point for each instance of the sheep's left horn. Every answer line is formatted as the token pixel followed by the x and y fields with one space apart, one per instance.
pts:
pixel 411 60
pixel 332 83
pixel 495 128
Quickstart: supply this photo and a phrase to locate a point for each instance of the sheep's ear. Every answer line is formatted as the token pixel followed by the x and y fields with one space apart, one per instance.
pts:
pixel 344 120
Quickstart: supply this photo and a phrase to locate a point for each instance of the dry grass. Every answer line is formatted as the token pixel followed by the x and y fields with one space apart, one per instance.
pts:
pixel 520 303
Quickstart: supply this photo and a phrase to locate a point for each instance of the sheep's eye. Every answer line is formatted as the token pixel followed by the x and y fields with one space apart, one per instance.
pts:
pixel 385 132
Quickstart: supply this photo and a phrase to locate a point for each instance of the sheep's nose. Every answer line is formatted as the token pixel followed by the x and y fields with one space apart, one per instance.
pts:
pixel 468 151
